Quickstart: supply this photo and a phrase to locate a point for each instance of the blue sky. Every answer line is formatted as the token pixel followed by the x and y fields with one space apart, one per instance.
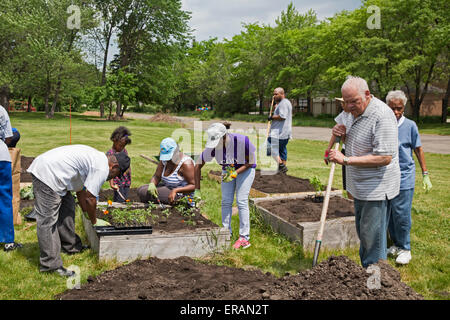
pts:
pixel 224 18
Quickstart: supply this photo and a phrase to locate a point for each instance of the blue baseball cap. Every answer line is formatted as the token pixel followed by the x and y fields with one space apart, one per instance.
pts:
pixel 167 148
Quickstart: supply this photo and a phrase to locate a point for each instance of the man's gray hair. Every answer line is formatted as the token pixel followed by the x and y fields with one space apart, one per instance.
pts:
pixel 358 83
pixel 396 95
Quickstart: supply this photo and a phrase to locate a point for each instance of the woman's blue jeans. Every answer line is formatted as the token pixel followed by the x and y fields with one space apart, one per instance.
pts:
pixel 241 186
pixel 400 219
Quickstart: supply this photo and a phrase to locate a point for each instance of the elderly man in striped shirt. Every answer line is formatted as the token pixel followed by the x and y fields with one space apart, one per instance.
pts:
pixel 373 172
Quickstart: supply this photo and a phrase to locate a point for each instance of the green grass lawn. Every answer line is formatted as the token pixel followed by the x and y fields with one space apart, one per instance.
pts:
pixel 428 273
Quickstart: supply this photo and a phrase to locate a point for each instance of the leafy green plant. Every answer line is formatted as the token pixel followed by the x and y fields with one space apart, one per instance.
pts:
pixel 317 184
pixel 166 212
pixel 132 217
pixel 27 193
pixel 186 210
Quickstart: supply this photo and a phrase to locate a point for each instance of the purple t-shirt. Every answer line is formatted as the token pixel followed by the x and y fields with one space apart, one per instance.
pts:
pixel 239 151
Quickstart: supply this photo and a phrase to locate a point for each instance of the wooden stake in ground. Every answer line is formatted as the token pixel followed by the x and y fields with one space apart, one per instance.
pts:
pixel 268 122
pixel 323 216
pixel 149 159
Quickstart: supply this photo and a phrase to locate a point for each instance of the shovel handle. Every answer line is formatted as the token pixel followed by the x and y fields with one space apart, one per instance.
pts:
pixel 325 209
pixel 268 122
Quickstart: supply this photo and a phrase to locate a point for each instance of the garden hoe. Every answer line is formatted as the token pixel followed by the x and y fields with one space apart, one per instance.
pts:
pixel 325 207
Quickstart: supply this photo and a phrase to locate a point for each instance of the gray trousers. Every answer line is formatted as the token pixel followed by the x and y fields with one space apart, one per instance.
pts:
pixel 55 217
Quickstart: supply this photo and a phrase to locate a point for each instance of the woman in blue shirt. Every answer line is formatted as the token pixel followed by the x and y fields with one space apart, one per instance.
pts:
pixel 400 215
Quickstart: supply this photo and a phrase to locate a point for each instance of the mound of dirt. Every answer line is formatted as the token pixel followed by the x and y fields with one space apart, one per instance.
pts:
pixel 337 278
pixel 162 117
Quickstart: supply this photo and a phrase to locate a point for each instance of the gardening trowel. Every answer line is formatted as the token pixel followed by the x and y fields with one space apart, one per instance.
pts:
pixel 120 194
pixel 160 204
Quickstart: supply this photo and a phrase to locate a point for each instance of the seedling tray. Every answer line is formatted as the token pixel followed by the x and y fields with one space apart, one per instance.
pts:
pixel 117 231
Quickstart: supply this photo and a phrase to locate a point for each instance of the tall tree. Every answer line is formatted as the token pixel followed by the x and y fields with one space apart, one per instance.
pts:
pixel 251 56
pixel 150 35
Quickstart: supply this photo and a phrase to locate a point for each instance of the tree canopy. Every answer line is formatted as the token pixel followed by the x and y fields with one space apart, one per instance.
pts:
pixel 159 62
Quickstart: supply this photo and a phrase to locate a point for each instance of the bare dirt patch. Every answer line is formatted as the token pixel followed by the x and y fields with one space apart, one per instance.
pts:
pixel 337 278
pixel 306 210
pixel 278 183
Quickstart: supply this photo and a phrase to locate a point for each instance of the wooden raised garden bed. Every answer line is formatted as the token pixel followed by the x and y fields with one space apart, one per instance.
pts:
pixel 161 233
pixel 298 218
pixel 276 185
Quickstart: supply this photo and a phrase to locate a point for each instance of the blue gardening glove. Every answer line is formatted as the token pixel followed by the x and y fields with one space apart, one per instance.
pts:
pixel 426 183
pixel 102 223
pixel 152 190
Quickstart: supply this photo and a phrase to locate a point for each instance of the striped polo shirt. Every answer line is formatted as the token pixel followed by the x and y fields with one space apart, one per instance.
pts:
pixel 373 132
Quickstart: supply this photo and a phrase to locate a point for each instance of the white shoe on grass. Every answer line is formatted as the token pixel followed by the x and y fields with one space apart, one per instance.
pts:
pixel 393 251
pixel 404 256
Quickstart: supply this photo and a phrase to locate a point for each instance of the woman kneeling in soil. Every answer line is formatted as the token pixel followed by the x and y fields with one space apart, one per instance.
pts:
pixel 236 154
pixel 175 171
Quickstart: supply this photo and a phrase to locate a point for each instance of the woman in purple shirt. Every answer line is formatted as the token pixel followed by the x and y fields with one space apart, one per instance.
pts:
pixel 236 154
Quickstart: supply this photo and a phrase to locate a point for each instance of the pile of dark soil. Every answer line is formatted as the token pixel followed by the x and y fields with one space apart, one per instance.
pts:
pixel 337 278
pixel 172 222
pixel 278 183
pixel 281 183
pixel 25 163
pixel 306 210
pixel 162 117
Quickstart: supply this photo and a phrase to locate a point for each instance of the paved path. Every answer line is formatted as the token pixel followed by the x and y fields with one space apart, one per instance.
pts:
pixel 430 142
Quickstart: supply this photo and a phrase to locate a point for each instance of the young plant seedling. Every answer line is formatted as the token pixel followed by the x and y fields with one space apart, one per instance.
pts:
pixel 318 186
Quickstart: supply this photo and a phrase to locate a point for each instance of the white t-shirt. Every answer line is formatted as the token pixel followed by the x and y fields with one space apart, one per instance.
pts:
pixel 69 168
pixel 345 118
pixel 5 132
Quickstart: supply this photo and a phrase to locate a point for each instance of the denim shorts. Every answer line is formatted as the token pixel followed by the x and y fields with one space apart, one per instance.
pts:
pixel 277 147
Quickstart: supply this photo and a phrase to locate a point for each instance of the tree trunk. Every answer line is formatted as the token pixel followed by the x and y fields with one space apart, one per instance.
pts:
pixel 110 110
pixel 47 96
pixel 55 100
pixel 445 103
pixel 105 62
pixel 29 104
pixel 123 111
pixel 118 109
pixel 4 97
pixel 308 103
pixel 58 85
pixel 261 104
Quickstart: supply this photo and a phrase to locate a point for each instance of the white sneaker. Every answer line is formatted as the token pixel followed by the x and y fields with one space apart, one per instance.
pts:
pixel 404 256
pixel 393 251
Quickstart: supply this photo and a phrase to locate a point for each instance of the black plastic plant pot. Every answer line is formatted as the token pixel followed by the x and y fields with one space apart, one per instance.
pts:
pixel 318 199
pixel 113 231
